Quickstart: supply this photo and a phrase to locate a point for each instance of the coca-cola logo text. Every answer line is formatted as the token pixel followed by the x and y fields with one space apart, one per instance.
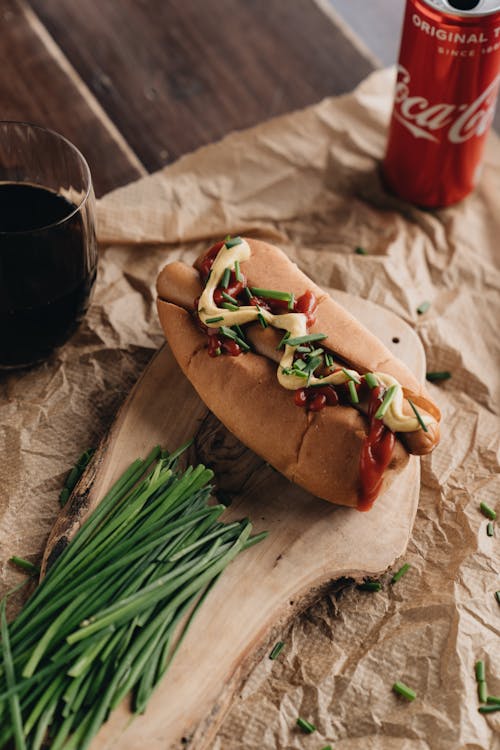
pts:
pixel 424 119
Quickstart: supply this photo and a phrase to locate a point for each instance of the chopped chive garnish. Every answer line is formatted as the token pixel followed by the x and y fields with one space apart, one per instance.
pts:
pixel 488 512
pixel 482 691
pixel 306 726
pixel 497 596
pixel 353 394
pixel 316 352
pixel 299 364
pixel 271 294
pixel 297 340
pixel 490 529
pixel 489 709
pixel 25 565
pixel 226 238
pixel 418 416
pixel 291 302
pixel 433 377
pixel 404 690
pixel 370 379
pixel 389 395
pixel 230 334
pixel 228 298
pixel 215 320
pixel 328 360
pixel 249 294
pixel 327 747
pixel 229 306
pixel 304 349
pixel 493 700
pixel 237 271
pixel 239 332
pixel 480 672
pixel 225 278
pixel 400 573
pixel 370 586
pixel 297 373
pixel 360 251
pixel 351 377
pixel 278 648
pixel 231 243
pixel 313 363
pixel 423 307
pixel 262 320
pixel 283 340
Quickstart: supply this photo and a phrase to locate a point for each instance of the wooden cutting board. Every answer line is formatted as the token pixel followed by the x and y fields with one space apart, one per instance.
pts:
pixel 310 544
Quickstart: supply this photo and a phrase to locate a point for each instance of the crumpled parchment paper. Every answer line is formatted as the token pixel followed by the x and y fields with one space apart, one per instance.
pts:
pixel 309 182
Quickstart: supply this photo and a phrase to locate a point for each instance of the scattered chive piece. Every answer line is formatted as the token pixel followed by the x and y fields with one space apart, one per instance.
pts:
pixel 231 243
pixel 215 320
pixel 482 691
pixel 237 271
pixel 370 379
pixel 315 353
pixel 480 672
pixel 226 238
pixel 328 360
pixel 389 395
pixel 283 340
pixel 418 416
pixel 490 529
pixel 433 377
pixel 489 709
pixel 370 586
pixel 25 565
pixel 353 394
pixel 262 320
pixel 271 294
pixel 225 278
pixel 423 307
pixel 74 475
pixel 230 299
pixel 493 700
pixel 291 302
pixel 306 339
pixel 360 251
pixel 400 573
pixel 304 349
pixel 306 726
pixel 327 747
pixel 488 512
pixel 404 690
pixel 10 680
pixel 299 364
pixel 312 363
pixel 276 650
pixel 249 294
pixel 230 306
pixel 497 596
pixel 352 378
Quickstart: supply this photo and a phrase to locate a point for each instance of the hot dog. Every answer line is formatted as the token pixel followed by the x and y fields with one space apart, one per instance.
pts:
pixel 292 374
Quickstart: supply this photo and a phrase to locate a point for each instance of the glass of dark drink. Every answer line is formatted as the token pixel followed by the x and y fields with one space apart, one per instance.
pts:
pixel 48 251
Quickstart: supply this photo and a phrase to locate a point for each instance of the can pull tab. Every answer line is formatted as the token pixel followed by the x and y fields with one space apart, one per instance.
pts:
pixel 463 4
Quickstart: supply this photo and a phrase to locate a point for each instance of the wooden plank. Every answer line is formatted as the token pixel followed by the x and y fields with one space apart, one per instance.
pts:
pixel 37 84
pixel 177 74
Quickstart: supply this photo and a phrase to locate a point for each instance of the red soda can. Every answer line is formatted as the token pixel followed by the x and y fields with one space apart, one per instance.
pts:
pixel 447 83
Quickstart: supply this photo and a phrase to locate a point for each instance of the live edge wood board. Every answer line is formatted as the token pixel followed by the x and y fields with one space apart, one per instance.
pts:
pixel 310 544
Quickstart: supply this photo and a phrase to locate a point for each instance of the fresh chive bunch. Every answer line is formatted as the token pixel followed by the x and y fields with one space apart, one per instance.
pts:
pixel 111 612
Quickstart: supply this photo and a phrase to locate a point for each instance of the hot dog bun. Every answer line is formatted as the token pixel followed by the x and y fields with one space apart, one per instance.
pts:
pixel 319 451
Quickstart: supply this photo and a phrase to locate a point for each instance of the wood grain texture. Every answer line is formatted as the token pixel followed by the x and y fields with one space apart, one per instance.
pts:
pixel 176 74
pixel 37 85
pixel 310 543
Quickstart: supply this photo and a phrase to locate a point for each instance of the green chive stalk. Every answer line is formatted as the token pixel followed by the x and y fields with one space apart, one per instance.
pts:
pixel 109 616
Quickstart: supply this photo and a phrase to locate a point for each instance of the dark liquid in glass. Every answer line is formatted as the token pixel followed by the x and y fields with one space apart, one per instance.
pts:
pixel 47 269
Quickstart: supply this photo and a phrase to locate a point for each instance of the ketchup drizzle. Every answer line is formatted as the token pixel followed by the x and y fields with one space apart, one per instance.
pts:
pixel 376 453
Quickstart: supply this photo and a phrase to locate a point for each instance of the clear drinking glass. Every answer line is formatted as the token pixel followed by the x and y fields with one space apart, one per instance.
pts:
pixel 48 251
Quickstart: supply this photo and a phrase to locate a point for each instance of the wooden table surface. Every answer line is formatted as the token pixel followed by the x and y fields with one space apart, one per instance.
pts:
pixel 137 83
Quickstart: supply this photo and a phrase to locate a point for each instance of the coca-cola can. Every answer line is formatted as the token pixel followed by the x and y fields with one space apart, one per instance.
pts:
pixel 447 83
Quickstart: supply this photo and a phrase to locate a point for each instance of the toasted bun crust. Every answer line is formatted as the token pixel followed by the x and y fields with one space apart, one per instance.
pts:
pixel 319 451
